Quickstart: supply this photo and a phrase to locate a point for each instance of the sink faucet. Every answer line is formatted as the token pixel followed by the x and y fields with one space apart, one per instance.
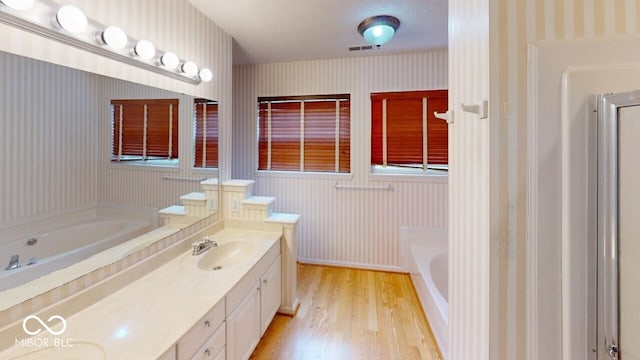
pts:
pixel 14 263
pixel 203 245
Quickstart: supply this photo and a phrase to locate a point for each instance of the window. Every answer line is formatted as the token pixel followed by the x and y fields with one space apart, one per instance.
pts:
pixel 144 129
pixel 304 133
pixel 404 131
pixel 206 133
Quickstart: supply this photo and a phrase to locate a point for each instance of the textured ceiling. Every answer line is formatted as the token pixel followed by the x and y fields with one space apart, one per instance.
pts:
pixel 287 30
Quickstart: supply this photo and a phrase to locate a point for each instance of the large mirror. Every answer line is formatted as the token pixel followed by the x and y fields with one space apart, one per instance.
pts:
pixel 87 163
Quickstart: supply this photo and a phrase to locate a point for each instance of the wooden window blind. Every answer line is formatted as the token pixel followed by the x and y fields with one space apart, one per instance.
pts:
pixel 304 133
pixel 144 129
pixel 404 131
pixel 206 133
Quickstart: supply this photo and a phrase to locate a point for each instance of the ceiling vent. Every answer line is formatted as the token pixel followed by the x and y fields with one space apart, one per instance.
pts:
pixel 360 48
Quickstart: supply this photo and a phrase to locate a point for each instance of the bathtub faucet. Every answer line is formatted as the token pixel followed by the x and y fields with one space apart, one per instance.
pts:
pixel 14 263
pixel 203 245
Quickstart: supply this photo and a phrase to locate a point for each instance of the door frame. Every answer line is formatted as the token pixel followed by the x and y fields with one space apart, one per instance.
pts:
pixel 550 310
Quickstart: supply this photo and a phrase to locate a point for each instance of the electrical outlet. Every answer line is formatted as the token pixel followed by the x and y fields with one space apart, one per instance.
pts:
pixel 212 205
pixel 235 205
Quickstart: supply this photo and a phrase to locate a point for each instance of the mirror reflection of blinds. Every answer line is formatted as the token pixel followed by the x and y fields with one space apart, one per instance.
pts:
pixel 145 129
pixel 304 133
pixel 404 131
pixel 206 133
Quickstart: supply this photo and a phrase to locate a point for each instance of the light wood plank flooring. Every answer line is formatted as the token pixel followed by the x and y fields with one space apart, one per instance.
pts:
pixel 350 314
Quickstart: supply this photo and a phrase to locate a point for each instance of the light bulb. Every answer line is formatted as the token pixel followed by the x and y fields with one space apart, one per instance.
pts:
pixel 189 68
pixel 169 60
pixel 71 19
pixel 378 34
pixel 205 75
pixel 145 50
pixel 114 37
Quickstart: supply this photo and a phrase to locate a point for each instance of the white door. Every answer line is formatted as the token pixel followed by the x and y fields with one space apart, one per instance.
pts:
pixel 619 226
pixel 629 236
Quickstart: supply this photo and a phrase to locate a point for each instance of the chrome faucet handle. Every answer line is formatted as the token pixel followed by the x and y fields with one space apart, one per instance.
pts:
pixel 14 262
pixel 208 240
pixel 203 245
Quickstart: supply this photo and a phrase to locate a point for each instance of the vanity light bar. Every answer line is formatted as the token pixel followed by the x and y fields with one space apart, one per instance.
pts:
pixel 68 25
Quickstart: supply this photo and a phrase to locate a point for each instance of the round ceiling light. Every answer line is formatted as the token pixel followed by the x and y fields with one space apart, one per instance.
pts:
pixel 18 4
pixel 114 37
pixel 144 50
pixel 169 60
pixel 71 19
pixel 205 75
pixel 189 68
pixel 377 30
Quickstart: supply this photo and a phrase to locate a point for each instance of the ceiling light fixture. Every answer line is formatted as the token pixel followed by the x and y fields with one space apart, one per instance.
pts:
pixel 18 4
pixel 71 19
pixel 379 29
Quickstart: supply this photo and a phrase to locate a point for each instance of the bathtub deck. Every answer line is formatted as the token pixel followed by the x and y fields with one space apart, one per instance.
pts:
pixel 350 314
pixel 420 258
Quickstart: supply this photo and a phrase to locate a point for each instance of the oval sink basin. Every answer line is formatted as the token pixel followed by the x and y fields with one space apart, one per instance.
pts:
pixel 224 255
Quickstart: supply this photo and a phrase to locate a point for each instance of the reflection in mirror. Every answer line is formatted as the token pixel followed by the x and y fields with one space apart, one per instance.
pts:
pixel 67 192
pixel 206 133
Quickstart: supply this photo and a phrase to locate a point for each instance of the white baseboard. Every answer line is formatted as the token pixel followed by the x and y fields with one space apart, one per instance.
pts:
pixel 346 264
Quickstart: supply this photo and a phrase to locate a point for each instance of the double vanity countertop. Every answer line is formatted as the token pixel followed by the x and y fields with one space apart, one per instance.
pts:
pixel 145 318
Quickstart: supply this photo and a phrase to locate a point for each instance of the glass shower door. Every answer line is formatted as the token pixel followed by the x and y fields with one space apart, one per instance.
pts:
pixel 619 226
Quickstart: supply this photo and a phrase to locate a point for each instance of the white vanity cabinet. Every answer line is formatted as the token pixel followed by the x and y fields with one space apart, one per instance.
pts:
pixel 170 354
pixel 233 327
pixel 250 318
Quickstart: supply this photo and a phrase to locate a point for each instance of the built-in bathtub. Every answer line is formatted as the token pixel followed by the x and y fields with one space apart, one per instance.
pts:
pixel 53 245
pixel 429 264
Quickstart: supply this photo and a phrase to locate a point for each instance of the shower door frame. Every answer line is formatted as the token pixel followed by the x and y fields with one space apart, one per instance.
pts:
pixel 608 279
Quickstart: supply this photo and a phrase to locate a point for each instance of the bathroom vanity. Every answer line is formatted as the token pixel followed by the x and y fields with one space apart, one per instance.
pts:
pixel 215 305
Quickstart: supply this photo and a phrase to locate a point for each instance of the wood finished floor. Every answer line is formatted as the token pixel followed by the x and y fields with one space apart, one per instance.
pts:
pixel 350 314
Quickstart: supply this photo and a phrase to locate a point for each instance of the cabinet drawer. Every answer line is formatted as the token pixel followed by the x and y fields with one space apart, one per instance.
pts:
pixel 213 346
pixel 201 331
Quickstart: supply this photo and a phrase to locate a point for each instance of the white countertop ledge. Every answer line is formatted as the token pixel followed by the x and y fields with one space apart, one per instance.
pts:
pixel 146 317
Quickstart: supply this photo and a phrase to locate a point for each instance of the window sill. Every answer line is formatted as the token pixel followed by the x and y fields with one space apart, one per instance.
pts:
pixel 303 175
pixel 205 171
pixel 155 165
pixel 408 175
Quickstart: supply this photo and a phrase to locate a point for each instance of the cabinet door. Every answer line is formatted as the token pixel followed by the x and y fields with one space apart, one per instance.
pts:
pixel 271 294
pixel 220 356
pixel 169 354
pixel 243 326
